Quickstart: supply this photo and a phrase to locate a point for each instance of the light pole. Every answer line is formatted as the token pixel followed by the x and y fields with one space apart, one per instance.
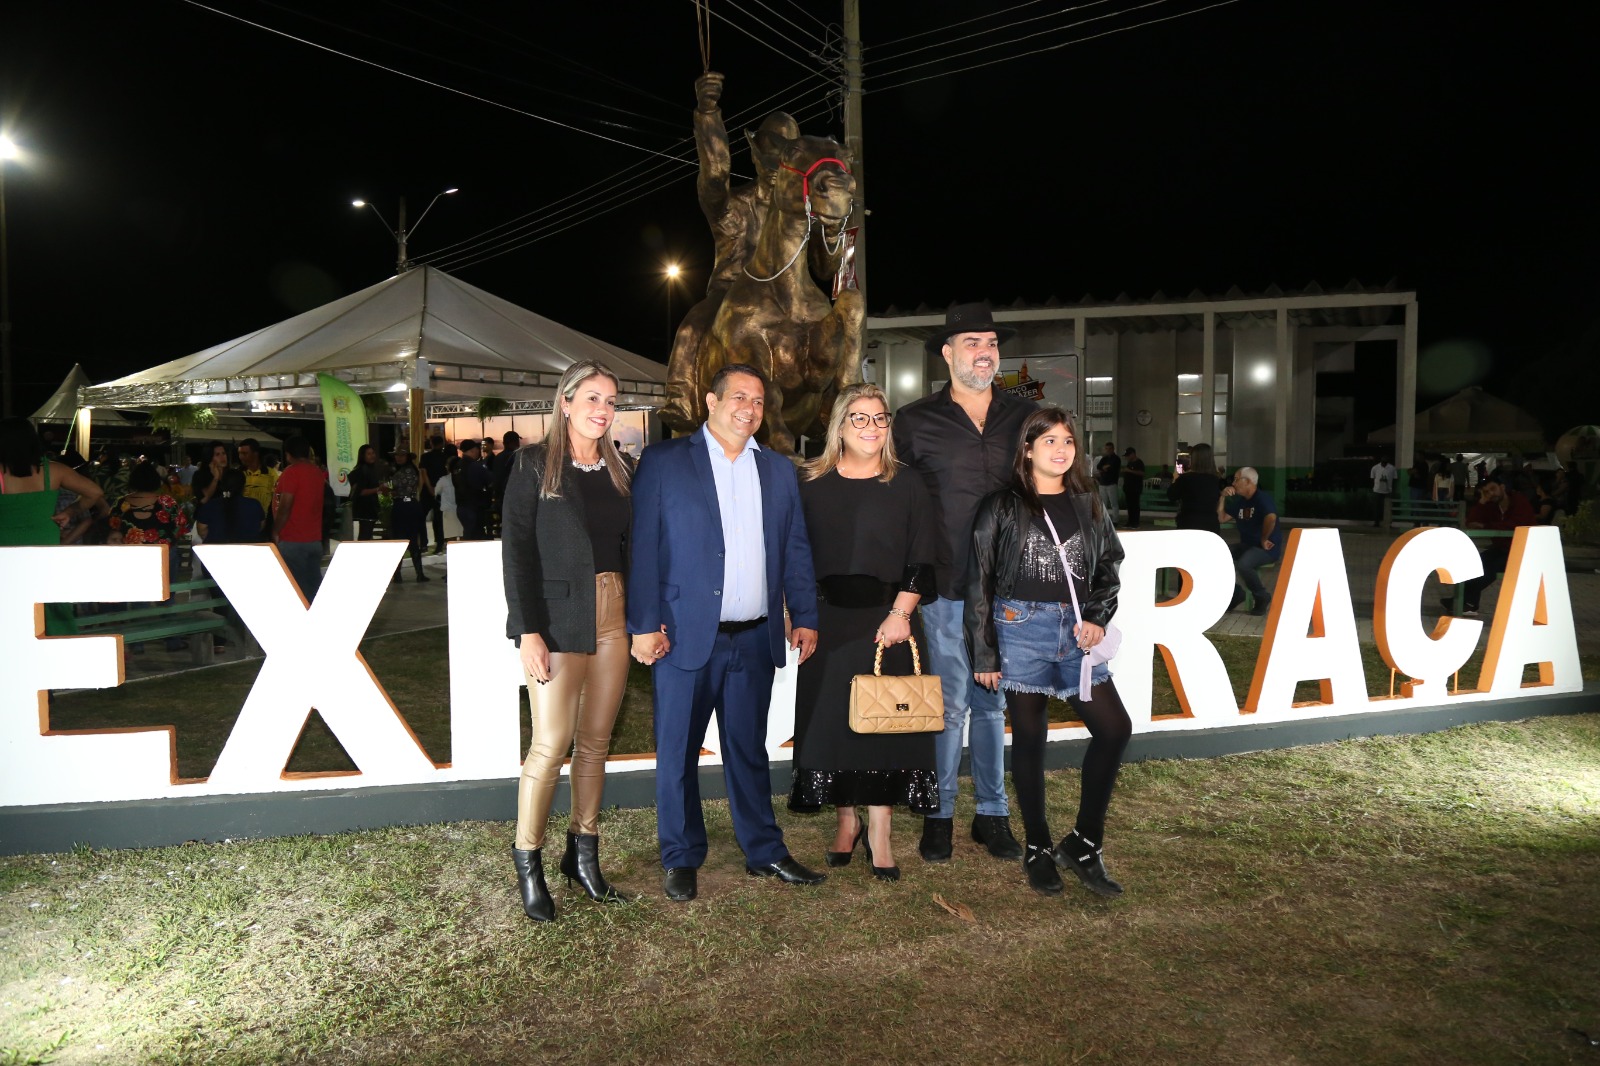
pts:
pixel 672 273
pixel 8 152
pixel 401 235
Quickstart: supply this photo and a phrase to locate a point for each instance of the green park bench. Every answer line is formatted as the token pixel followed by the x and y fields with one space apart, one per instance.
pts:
pixel 186 614
pixel 1424 512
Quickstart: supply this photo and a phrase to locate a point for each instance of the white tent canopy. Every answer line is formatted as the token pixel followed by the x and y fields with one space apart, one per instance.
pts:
pixel 63 406
pixel 421 329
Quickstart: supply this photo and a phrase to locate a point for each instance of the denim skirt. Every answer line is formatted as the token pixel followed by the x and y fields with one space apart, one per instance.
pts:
pixel 1038 651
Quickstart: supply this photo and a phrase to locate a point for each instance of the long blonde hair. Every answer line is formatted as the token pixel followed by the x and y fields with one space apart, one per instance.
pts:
pixel 558 446
pixel 833 450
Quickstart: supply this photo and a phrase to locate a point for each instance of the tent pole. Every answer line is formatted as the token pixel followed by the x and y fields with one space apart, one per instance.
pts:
pixel 418 420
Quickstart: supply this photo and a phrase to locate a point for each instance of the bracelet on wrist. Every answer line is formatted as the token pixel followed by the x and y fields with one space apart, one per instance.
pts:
pixel 903 614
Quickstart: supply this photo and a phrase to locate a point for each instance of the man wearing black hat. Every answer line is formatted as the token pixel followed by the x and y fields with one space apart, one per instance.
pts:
pixel 962 440
pixel 472 492
pixel 1132 484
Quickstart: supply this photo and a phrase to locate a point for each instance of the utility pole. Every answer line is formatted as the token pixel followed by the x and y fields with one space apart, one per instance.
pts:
pixel 7 151
pixel 400 239
pixel 853 142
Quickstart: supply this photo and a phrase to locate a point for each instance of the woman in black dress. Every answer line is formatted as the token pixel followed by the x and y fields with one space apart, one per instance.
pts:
pixel 365 481
pixel 1197 491
pixel 564 549
pixel 872 544
pixel 408 521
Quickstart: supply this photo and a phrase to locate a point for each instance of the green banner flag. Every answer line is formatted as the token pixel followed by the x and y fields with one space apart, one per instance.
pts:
pixel 345 418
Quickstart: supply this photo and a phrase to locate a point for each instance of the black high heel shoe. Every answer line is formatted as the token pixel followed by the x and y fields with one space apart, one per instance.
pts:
pixel 581 863
pixel 842 858
pixel 882 873
pixel 1079 854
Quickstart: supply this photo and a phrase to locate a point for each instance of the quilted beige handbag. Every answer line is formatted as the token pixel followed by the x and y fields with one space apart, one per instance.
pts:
pixel 910 703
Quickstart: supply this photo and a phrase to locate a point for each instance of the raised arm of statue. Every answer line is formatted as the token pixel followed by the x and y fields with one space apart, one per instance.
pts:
pixel 711 144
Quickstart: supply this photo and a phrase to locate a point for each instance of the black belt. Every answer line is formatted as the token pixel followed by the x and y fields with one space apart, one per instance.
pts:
pixel 740 627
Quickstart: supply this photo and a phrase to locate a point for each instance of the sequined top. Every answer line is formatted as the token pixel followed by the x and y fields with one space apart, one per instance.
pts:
pixel 1040 577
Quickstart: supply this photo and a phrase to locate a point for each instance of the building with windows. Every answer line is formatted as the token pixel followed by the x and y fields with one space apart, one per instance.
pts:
pixel 1273 380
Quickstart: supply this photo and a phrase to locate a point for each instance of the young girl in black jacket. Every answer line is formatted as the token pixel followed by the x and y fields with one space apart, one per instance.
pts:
pixel 1030 539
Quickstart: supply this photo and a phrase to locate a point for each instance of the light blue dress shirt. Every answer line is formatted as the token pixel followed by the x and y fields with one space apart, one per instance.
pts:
pixel 744 542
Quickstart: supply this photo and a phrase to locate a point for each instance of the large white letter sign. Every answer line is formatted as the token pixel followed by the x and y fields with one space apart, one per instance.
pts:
pixel 312 663
pixel 1311 630
pixel 42 765
pixel 486 675
pixel 1533 619
pixel 1428 659
pixel 1178 626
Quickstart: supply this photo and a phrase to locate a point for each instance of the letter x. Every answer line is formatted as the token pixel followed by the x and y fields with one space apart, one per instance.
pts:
pixel 312 662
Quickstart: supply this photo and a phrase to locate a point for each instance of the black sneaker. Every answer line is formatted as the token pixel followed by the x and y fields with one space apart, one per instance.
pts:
pixel 993 831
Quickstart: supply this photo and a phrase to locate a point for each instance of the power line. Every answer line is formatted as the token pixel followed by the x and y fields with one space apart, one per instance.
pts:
pixel 549 54
pixel 1054 47
pixel 802 9
pixel 820 38
pixel 633 172
pixel 992 29
pixel 426 81
pixel 554 227
pixel 761 40
pixel 532 51
pixel 1024 37
pixel 467 66
pixel 953 25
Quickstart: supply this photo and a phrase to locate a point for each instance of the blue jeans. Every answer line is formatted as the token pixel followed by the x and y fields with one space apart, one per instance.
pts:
pixel 1245 562
pixel 304 560
pixel 947 657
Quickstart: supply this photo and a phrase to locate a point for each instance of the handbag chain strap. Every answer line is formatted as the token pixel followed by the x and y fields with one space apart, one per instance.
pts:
pixel 1061 550
pixel 916 659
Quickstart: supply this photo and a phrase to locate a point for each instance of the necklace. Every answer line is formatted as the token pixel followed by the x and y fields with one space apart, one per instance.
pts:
pixel 589 468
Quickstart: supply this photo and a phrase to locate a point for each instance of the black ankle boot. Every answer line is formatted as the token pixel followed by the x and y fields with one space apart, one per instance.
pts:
pixel 1040 866
pixel 1079 854
pixel 935 845
pixel 581 863
pixel 536 901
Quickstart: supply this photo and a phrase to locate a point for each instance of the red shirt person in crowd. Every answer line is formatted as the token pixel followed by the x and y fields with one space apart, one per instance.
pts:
pixel 297 516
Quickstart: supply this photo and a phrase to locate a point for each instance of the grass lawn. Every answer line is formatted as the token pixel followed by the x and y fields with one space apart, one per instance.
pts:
pixel 1422 899
pixel 1416 900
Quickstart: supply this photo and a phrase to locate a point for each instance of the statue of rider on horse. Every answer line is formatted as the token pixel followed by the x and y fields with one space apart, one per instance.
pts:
pixel 763 304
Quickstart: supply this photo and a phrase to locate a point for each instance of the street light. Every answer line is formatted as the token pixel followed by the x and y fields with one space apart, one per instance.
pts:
pixel 672 271
pixel 8 152
pixel 402 235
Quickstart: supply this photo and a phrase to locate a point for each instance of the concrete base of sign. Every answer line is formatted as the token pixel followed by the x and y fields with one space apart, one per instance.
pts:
pixel 157 823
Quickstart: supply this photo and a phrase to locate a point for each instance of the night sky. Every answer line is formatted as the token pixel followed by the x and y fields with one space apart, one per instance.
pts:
pixel 189 176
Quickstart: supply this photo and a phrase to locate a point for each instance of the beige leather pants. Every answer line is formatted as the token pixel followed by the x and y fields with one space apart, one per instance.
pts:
pixel 574 713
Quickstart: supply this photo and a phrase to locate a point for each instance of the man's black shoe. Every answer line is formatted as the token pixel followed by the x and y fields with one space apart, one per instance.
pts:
pixel 993 831
pixel 1262 606
pixel 681 884
pixel 788 871
pixel 935 845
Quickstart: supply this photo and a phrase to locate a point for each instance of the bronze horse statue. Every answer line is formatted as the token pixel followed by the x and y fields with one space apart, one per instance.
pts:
pixel 775 317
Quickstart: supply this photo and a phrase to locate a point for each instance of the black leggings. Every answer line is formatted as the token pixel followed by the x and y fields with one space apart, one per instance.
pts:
pixel 1109 730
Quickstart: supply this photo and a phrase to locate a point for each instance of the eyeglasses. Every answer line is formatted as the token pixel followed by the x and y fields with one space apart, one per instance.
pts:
pixel 859 419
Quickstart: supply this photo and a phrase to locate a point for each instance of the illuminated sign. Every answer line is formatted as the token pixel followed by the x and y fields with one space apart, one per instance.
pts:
pixel 313 657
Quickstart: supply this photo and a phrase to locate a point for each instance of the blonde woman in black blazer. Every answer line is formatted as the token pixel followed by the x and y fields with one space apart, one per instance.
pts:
pixel 564 549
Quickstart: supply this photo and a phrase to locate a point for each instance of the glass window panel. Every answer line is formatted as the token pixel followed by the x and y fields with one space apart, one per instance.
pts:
pixel 1188 403
pixel 1221 407
pixel 1189 427
pixel 1219 436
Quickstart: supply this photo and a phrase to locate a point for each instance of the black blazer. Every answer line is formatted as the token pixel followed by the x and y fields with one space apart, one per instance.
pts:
pixel 547 558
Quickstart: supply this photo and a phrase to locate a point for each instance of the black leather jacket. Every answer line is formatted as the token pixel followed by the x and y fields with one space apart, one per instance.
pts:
pixel 1003 518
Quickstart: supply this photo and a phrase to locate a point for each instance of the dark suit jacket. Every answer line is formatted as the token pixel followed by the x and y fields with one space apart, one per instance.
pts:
pixel 547 559
pixel 676 575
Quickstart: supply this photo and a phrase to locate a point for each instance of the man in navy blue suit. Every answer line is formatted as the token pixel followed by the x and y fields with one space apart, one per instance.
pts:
pixel 719 547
